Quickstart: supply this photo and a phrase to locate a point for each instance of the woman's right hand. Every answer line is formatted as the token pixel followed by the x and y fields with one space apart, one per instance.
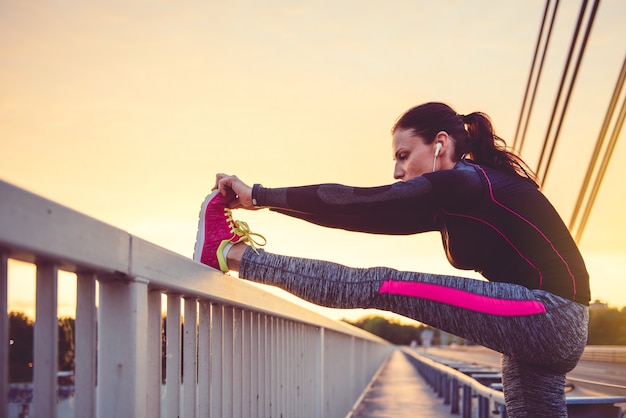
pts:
pixel 230 184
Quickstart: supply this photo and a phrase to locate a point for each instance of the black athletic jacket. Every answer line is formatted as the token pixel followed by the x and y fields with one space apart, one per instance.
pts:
pixel 495 223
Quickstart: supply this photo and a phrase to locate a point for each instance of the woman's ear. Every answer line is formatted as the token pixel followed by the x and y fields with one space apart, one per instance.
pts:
pixel 446 147
pixel 441 142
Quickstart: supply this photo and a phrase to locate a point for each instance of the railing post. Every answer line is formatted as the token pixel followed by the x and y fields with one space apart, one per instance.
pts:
pixel 122 364
pixel 86 348
pixel 204 359
pixel 446 389
pixel 190 365
pixel 154 354
pixel 454 396
pixel 217 360
pixel 321 400
pixel 227 361
pixel 266 349
pixel 279 365
pixel 467 402
pixel 246 363
pixel 237 350
pixel 299 407
pixel 293 382
pixel 46 342
pixel 483 406
pixel 352 370
pixel 4 332
pixel 262 366
pixel 255 364
pixel 438 376
pixel 274 366
pixel 289 368
pixel 173 356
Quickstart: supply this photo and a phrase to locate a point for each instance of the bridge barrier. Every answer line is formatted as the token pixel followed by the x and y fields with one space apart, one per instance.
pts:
pixel 243 351
pixel 475 391
pixel 608 353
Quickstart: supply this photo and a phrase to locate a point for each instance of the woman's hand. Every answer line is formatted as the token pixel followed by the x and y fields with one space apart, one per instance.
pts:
pixel 241 193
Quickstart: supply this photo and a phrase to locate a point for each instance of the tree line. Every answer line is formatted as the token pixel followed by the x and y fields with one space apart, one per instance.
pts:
pixel 607 326
pixel 21 343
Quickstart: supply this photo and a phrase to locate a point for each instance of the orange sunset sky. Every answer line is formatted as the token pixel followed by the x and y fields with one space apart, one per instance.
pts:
pixel 125 110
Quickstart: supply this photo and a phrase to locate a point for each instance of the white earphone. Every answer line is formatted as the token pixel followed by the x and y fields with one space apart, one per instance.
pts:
pixel 438 149
pixel 438 146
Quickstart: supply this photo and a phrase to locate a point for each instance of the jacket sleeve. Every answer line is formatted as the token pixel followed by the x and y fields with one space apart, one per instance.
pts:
pixel 399 208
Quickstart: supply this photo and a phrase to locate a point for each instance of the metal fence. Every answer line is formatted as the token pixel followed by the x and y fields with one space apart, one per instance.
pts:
pixel 242 352
pixel 476 391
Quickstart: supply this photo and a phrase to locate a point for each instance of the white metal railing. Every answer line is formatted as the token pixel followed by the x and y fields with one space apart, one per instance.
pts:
pixel 245 352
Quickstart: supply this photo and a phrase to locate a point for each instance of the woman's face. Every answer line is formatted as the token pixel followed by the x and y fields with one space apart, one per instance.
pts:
pixel 412 156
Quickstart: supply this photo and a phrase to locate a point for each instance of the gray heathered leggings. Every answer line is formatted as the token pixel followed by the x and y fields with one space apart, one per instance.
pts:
pixel 540 335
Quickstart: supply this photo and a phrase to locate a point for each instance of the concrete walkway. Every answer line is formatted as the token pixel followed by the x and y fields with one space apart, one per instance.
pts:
pixel 399 391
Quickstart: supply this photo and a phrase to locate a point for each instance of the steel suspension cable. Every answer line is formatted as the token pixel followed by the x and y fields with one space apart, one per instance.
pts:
pixel 599 145
pixel 530 76
pixel 619 123
pixel 560 90
pixel 581 53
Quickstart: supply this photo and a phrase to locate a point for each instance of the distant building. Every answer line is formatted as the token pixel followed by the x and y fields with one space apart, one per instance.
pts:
pixel 598 305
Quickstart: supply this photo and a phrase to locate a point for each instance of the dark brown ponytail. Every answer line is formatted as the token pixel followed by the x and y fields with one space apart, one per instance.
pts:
pixel 483 146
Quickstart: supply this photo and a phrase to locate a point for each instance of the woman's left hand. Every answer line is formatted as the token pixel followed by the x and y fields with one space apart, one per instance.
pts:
pixel 242 192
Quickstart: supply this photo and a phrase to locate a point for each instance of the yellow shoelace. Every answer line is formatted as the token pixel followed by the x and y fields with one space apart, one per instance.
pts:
pixel 242 229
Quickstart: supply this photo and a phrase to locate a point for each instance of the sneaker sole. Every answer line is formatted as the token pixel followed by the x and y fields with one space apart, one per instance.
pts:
pixel 197 251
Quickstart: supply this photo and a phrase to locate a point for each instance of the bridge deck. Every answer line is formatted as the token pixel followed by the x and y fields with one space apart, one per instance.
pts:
pixel 399 391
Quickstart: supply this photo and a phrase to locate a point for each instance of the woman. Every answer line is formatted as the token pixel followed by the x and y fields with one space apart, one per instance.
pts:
pixel 457 178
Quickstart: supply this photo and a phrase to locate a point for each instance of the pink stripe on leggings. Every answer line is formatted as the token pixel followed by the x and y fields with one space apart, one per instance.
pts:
pixel 463 299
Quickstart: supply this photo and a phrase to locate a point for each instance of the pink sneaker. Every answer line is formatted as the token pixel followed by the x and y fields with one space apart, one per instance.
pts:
pixel 217 232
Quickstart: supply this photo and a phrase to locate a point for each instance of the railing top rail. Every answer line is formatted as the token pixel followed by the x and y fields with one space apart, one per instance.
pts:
pixel 35 229
pixel 595 400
